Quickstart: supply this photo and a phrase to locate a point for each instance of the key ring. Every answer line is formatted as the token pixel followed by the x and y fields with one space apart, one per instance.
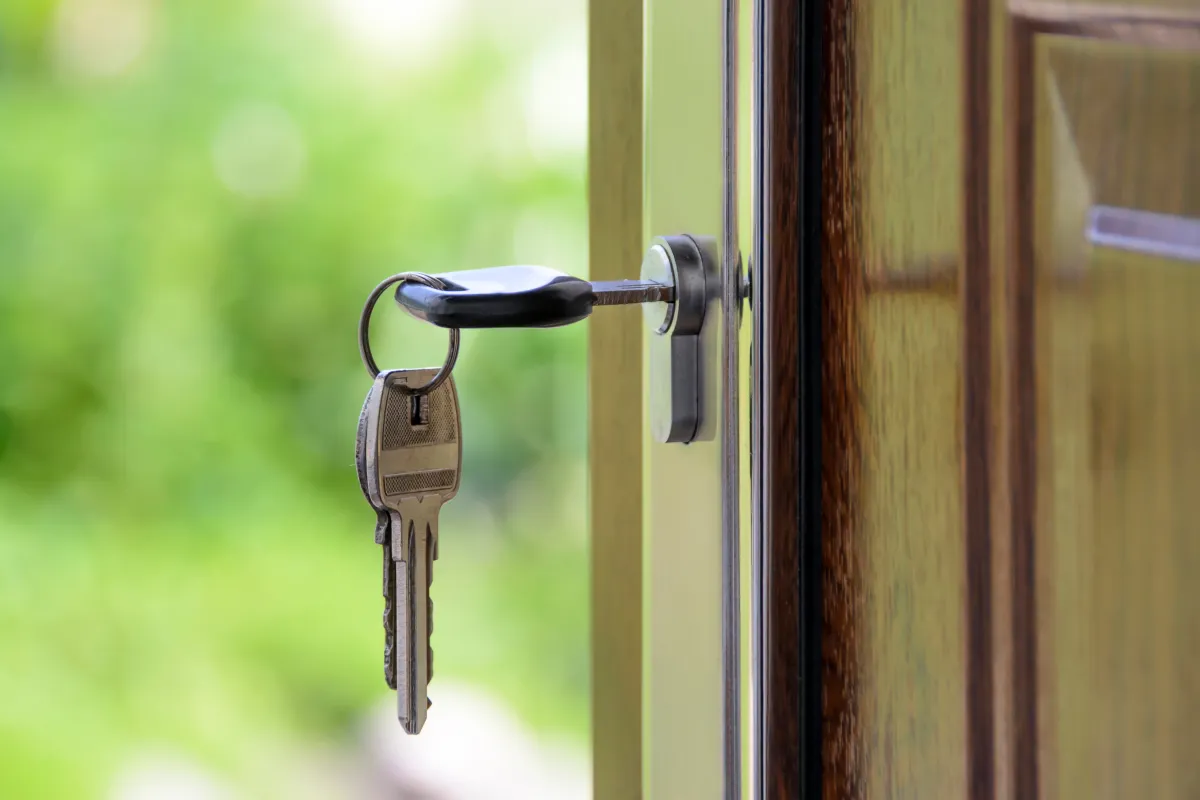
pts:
pixel 364 339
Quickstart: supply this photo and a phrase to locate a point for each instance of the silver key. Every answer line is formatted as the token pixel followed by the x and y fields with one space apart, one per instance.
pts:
pixel 409 458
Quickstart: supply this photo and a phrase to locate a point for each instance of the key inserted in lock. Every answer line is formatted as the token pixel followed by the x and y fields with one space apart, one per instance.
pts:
pixel 672 287
pixel 519 296
pixel 674 353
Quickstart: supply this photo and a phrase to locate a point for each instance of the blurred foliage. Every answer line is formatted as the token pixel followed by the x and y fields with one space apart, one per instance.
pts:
pixel 184 553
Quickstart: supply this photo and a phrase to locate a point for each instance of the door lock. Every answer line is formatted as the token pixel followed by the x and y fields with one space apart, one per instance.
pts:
pixel 675 362
pixel 673 286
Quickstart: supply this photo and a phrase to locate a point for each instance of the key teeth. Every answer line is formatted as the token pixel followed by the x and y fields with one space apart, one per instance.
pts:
pixel 382 526
pixel 389 671
pixel 389 630
pixel 389 666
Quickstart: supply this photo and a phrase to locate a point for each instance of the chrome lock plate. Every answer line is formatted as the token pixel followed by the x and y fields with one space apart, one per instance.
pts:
pixel 675 359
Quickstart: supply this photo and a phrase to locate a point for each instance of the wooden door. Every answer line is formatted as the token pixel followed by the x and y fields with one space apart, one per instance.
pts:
pixel 979 526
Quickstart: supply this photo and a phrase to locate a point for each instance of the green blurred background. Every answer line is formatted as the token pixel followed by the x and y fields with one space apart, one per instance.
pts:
pixel 195 198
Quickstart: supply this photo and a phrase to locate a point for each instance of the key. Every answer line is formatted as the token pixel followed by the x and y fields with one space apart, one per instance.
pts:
pixel 409 457
pixel 521 297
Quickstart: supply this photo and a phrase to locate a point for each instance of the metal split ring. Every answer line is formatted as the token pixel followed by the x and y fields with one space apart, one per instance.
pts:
pixel 364 338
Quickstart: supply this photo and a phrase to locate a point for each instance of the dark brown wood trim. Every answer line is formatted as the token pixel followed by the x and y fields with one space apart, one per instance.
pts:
pixel 843 290
pixel 1023 398
pixel 977 395
pixel 790 39
pixel 783 704
pixel 1140 25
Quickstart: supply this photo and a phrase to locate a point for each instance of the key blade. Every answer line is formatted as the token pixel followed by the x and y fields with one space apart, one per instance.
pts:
pixel 631 292
pixel 406 680
pixel 413 611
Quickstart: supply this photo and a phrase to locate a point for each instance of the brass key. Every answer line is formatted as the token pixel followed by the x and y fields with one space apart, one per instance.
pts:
pixel 409 457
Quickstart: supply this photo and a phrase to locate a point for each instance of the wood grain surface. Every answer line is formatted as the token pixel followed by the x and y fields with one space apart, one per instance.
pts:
pixel 841 418
pixel 905 622
pixel 1007 414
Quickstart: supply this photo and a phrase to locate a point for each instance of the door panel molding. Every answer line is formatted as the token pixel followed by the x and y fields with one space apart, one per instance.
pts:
pixel 975 300
pixel 1030 411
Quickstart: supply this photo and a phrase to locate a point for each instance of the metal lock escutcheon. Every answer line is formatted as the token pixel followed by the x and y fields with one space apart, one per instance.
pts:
pixel 683 262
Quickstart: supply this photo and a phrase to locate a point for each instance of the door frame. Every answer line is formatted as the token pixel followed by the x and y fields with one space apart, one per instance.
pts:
pixel 666 617
pixel 615 436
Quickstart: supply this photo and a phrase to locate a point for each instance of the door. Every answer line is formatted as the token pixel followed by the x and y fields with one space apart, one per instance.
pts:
pixel 961 495
pixel 981 217
pixel 666 518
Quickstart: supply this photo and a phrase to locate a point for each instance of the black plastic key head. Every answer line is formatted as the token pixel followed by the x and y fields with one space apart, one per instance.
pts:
pixel 500 297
